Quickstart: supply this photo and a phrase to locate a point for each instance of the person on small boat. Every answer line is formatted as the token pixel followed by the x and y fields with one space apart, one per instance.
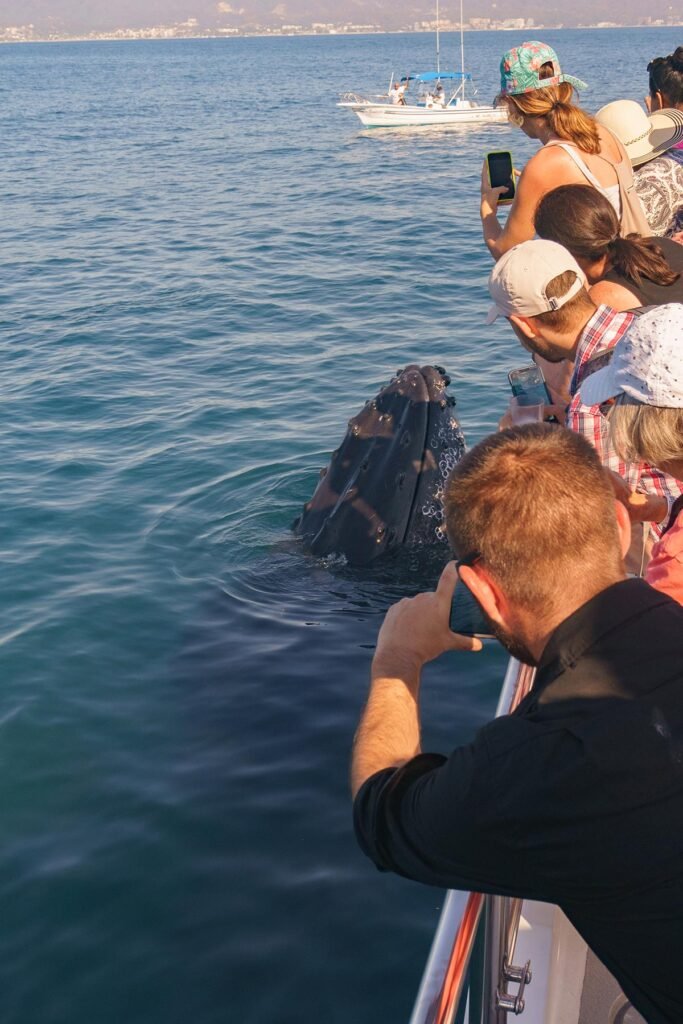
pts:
pixel 540 288
pixel 576 798
pixel 623 273
pixel 397 93
pixel 575 149
pixel 652 144
pixel 645 383
pixel 439 96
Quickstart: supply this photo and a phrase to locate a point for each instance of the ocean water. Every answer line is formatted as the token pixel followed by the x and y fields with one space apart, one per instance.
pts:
pixel 206 268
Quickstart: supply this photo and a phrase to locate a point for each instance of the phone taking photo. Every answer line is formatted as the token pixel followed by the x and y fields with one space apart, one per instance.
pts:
pixel 467 616
pixel 528 386
pixel 500 173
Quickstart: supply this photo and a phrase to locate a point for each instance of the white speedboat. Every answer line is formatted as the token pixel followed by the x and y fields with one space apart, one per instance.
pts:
pixel 455 108
pixel 434 104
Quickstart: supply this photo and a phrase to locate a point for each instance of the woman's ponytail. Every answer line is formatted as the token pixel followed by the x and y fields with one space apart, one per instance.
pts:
pixel 564 118
pixel 637 258
pixel 582 220
pixel 570 122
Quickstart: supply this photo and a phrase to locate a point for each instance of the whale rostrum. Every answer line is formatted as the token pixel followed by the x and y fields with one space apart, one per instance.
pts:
pixel 383 487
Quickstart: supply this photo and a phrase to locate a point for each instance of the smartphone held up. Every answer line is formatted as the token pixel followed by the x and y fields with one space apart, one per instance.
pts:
pixel 467 616
pixel 530 395
pixel 501 173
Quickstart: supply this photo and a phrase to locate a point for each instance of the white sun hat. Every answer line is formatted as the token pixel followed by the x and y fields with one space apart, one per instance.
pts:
pixel 519 279
pixel 647 364
pixel 643 137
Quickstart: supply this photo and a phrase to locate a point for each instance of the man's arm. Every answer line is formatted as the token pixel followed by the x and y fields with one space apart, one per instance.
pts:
pixel 414 632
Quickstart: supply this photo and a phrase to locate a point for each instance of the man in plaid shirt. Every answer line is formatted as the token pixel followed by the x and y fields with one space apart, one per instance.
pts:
pixel 540 288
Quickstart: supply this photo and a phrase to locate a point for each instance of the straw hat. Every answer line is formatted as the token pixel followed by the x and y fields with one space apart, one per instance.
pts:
pixel 643 137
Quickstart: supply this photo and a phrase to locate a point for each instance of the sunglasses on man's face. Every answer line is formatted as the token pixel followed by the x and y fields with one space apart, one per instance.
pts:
pixel 468 560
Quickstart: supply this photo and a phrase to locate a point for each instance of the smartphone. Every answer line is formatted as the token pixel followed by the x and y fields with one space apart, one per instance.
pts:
pixel 500 173
pixel 467 616
pixel 529 386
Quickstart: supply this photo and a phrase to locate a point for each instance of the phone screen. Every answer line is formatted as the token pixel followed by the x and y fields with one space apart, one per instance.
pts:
pixel 500 173
pixel 467 617
pixel 529 387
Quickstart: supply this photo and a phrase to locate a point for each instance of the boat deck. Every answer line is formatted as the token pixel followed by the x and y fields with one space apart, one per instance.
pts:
pixel 600 997
pixel 570 985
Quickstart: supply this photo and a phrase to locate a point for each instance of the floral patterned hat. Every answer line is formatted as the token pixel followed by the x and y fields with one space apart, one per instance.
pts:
pixel 521 66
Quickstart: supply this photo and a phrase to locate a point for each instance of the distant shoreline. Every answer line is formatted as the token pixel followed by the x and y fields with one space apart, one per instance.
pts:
pixel 341 32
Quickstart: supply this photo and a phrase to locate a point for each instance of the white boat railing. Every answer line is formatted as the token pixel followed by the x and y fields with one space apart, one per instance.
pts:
pixel 446 976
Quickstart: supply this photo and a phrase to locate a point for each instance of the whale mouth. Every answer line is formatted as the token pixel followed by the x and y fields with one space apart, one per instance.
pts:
pixel 383 488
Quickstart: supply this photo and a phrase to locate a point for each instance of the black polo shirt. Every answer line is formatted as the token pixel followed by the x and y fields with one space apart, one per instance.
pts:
pixel 575 799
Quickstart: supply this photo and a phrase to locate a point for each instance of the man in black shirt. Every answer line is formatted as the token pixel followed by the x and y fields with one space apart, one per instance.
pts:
pixel 577 797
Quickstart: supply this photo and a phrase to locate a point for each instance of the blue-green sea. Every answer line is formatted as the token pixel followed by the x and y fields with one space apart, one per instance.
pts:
pixel 205 269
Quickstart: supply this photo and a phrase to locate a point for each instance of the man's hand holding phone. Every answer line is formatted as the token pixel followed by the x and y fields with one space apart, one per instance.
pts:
pixel 416 630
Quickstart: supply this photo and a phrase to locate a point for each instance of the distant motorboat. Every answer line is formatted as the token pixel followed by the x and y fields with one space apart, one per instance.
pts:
pixel 391 110
pixel 455 108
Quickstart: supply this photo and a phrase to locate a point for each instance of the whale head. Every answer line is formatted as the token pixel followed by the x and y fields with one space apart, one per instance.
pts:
pixel 383 487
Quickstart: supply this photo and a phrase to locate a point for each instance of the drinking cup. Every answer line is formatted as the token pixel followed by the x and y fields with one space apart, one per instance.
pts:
pixel 520 413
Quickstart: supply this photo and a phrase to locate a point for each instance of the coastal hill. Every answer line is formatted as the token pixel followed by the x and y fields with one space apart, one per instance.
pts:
pixel 54 18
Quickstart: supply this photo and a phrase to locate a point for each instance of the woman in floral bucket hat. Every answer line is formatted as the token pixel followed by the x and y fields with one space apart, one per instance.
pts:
pixel 575 148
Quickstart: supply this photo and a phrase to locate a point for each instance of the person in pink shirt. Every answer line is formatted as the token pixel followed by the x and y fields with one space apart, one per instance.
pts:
pixel 644 385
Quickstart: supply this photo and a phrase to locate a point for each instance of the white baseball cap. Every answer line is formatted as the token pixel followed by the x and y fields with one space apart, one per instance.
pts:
pixel 519 279
pixel 647 364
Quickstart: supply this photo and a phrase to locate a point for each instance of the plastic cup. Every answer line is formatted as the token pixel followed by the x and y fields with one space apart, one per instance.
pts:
pixel 520 413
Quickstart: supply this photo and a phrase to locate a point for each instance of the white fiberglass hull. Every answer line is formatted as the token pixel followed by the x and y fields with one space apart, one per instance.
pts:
pixel 388 115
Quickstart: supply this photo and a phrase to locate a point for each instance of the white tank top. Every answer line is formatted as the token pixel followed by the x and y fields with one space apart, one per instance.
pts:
pixel 610 192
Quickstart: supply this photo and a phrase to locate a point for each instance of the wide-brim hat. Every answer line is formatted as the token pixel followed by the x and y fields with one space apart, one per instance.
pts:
pixel 643 137
pixel 520 69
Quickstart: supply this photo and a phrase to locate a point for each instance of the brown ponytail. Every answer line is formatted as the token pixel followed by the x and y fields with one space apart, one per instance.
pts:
pixel 582 220
pixel 637 257
pixel 564 118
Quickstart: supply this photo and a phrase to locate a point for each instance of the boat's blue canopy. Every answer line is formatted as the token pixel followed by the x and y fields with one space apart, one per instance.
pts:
pixel 435 76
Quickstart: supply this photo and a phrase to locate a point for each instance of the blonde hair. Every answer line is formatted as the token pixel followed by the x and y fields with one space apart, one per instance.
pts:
pixel 646 433
pixel 554 104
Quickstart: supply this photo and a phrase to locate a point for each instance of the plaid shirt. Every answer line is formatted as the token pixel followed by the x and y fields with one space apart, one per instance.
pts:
pixel 599 336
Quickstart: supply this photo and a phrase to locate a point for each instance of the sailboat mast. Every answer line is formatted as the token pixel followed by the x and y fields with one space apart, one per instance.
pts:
pixel 438 54
pixel 462 47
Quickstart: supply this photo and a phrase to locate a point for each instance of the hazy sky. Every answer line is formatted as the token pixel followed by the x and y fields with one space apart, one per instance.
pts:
pixel 89 15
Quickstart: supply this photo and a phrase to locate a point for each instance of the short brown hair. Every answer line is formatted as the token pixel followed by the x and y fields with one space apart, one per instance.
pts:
pixel 565 317
pixel 535 503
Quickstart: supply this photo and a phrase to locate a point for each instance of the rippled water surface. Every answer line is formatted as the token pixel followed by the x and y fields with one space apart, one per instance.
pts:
pixel 206 268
